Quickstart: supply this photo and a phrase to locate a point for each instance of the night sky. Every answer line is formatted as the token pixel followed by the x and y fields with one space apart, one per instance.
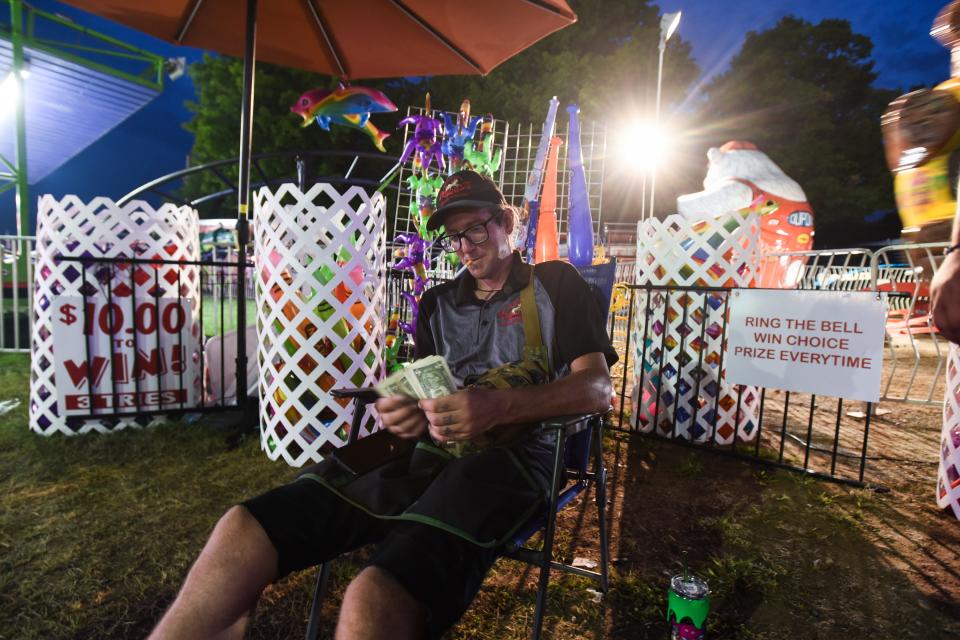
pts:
pixel 906 57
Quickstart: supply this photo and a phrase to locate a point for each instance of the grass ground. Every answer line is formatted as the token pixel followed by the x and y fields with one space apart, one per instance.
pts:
pixel 97 532
pixel 215 324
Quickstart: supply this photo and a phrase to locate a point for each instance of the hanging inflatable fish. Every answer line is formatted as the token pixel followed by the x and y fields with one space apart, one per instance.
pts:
pixel 346 106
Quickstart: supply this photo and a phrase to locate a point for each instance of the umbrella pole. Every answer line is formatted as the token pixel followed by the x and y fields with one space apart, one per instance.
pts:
pixel 243 197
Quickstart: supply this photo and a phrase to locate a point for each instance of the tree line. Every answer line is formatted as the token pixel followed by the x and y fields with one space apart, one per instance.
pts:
pixel 804 93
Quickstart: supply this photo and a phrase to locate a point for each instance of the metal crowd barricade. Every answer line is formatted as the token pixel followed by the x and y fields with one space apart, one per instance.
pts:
pixel 916 354
pixel 796 431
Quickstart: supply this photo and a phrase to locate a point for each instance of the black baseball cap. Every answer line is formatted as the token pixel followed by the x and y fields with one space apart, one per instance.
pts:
pixel 464 190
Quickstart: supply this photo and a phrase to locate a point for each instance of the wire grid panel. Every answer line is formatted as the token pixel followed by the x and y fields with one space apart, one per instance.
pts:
pixel 320 295
pixel 519 149
pixel 679 385
pixel 70 227
pixel 914 346
pixel 948 471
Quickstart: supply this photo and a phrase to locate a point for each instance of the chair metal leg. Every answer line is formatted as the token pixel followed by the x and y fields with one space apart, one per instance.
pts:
pixel 547 554
pixel 319 590
pixel 600 470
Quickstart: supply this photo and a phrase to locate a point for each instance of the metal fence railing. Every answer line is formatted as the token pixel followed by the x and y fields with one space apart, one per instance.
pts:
pixel 160 339
pixel 671 391
pixel 914 361
pixel 16 292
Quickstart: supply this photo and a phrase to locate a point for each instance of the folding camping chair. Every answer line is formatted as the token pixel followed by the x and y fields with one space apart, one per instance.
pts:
pixel 571 476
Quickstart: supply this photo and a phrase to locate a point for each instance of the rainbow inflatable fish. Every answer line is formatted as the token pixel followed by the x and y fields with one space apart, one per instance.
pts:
pixel 347 107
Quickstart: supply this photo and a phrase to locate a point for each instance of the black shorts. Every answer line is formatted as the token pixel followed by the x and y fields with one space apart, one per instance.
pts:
pixel 308 524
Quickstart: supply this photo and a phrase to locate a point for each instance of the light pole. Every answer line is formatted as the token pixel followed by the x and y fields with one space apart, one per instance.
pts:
pixel 668 24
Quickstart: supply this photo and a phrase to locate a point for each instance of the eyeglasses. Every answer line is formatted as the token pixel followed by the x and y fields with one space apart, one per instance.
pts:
pixel 477 234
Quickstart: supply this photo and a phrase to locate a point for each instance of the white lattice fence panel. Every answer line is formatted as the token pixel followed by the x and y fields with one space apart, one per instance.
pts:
pixel 100 229
pixel 320 295
pixel 678 381
pixel 948 472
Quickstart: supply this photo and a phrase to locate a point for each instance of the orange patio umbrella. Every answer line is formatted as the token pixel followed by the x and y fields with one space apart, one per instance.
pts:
pixel 350 39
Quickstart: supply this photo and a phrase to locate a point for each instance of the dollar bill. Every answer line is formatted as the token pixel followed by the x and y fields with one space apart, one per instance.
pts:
pixel 433 377
pixel 429 377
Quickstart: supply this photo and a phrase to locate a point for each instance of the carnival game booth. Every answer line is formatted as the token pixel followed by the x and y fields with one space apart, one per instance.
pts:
pixel 320 297
pixel 679 387
pixel 117 333
pixel 739 232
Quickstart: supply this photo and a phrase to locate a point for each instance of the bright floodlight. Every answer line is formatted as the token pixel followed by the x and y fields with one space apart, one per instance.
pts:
pixel 668 24
pixel 643 146
pixel 8 90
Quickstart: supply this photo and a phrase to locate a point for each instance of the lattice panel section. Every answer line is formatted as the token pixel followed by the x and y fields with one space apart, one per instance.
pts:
pixel 679 387
pixel 320 295
pixel 100 229
pixel 948 472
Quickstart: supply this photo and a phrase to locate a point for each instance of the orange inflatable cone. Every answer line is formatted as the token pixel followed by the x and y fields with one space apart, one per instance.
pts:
pixel 548 247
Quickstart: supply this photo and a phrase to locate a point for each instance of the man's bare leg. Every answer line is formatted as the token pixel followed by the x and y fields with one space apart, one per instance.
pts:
pixel 223 585
pixel 377 606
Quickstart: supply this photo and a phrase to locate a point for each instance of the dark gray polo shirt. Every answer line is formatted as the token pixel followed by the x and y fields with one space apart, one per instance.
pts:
pixel 475 336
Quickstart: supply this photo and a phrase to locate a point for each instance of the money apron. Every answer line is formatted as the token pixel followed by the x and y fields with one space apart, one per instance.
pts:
pixel 485 495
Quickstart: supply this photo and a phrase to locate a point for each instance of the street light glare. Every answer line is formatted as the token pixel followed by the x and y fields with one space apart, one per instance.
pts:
pixel 643 146
pixel 668 24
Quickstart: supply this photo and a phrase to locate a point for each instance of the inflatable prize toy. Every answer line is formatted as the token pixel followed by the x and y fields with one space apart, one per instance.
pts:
pixel 579 223
pixel 527 224
pixel 480 155
pixel 410 328
pixel 740 175
pixel 679 387
pixel 533 210
pixel 346 107
pixel 547 247
pixel 424 146
pixel 423 200
pixel 394 341
pixel 459 134
pixel 413 259
pixel 320 313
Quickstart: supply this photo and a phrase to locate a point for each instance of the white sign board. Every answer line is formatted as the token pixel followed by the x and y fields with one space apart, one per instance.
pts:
pixel 138 360
pixel 823 342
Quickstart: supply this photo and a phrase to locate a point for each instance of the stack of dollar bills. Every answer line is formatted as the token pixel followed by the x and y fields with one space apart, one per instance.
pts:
pixel 429 377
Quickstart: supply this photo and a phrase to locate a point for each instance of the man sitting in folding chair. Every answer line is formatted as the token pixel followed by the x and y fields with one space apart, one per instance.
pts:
pixel 500 324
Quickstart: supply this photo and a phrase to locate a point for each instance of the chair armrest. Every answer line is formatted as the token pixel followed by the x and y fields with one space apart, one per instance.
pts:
pixel 365 395
pixel 570 424
pixel 361 398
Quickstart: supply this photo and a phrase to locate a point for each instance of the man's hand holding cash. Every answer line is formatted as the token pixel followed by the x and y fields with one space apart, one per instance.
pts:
pixel 426 378
pixel 401 391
